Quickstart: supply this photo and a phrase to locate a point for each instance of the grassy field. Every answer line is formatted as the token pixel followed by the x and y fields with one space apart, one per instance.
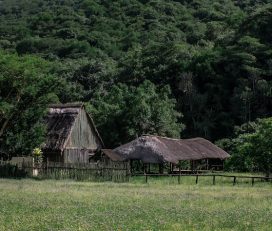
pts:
pixel 161 204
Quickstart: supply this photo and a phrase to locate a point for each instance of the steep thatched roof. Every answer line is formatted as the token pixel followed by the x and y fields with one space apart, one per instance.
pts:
pixel 155 149
pixel 60 121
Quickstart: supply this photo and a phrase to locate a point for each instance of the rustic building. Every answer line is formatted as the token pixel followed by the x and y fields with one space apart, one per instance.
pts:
pixel 151 149
pixel 112 160
pixel 71 134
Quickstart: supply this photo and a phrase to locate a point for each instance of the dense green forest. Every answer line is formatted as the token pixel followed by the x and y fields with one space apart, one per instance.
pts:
pixel 177 68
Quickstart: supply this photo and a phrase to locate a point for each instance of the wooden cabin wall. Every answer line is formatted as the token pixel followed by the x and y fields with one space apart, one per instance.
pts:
pixel 75 155
pixel 53 156
pixel 83 134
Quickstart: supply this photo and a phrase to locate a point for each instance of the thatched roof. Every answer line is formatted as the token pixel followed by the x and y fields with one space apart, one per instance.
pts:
pixel 112 155
pixel 60 121
pixel 155 149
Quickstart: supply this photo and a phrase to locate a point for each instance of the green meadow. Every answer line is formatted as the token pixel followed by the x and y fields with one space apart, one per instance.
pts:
pixel 161 204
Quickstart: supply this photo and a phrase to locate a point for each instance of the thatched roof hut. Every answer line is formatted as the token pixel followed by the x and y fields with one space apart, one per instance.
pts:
pixel 156 149
pixel 71 134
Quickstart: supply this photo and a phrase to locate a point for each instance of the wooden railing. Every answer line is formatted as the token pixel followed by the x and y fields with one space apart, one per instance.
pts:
pixel 197 176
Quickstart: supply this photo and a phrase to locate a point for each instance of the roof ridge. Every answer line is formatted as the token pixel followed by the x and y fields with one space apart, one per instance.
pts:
pixel 164 137
pixel 66 105
pixel 169 138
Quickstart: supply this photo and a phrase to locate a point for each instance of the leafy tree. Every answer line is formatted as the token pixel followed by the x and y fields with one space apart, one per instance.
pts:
pixel 125 113
pixel 258 146
pixel 250 149
pixel 26 87
pixel 215 55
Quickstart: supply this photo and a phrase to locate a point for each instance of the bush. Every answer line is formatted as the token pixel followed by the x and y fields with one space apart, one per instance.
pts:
pixel 12 171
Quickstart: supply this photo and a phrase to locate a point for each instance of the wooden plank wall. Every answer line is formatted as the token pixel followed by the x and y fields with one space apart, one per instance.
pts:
pixel 83 134
pixel 75 155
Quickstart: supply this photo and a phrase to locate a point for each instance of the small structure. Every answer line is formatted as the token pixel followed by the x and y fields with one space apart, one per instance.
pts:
pixel 108 155
pixel 71 134
pixel 109 158
pixel 151 149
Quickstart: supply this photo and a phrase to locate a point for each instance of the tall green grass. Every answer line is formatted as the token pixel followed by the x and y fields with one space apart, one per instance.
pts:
pixel 161 204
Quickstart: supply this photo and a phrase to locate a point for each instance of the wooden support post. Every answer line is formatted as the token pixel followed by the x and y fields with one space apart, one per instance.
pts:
pixel 146 178
pixel 148 167
pixel 179 174
pixel 234 180
pixel 47 163
pixel 196 181
pixel 213 180
pixel 161 168
pixel 130 166
pixel 144 168
pixel 252 181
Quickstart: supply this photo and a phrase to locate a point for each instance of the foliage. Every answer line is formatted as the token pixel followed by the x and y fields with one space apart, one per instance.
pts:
pixel 214 55
pixel 38 155
pixel 37 152
pixel 12 171
pixel 26 86
pixel 125 113
pixel 250 149
pixel 258 146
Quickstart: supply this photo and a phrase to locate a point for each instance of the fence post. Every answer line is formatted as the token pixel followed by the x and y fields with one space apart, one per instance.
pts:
pixel 179 173
pixel 234 180
pixel 213 180
pixel 252 181
pixel 179 179
pixel 146 178
pixel 196 181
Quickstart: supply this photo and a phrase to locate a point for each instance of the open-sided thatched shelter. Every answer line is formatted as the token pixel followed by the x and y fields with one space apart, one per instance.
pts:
pixel 71 134
pixel 158 150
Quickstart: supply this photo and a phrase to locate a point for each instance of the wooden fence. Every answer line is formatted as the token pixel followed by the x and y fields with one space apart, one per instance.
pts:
pixel 112 171
pixel 197 176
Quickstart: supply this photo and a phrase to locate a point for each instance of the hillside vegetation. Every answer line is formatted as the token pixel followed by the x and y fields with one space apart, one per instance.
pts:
pixel 173 68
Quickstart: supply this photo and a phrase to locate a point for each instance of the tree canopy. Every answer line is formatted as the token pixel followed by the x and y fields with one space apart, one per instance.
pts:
pixel 125 113
pixel 26 87
pixel 251 147
pixel 139 64
pixel 258 146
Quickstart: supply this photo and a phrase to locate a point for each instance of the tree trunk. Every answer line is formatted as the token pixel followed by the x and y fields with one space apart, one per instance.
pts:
pixel 4 127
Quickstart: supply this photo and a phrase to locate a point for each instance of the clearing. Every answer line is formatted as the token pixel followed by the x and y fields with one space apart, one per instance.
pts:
pixel 161 204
